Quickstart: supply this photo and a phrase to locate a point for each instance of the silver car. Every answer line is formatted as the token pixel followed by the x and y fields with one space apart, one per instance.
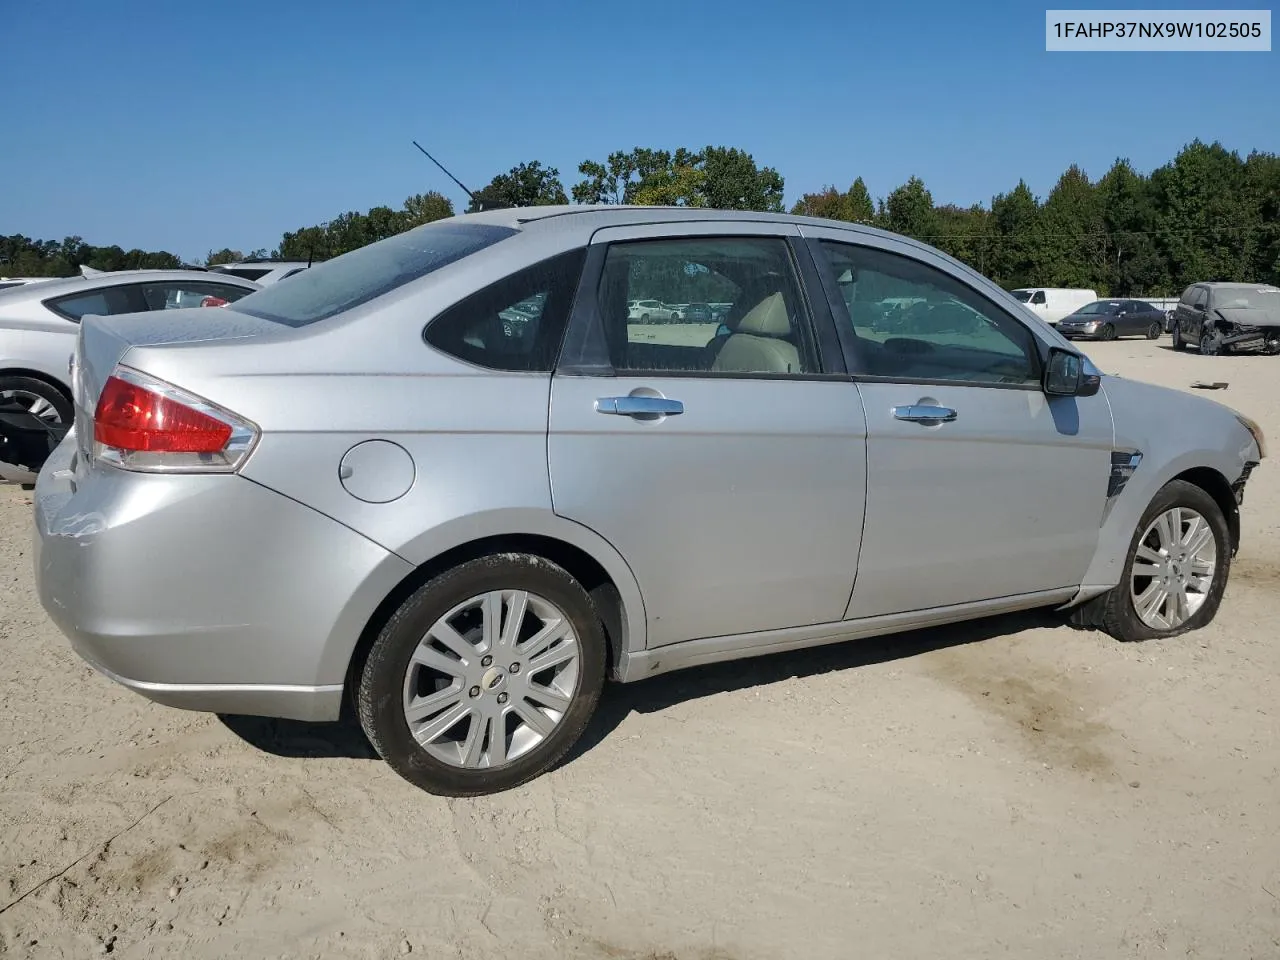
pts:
pixel 262 271
pixel 362 485
pixel 38 324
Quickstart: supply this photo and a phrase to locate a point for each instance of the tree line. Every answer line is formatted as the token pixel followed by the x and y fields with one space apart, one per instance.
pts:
pixel 1208 214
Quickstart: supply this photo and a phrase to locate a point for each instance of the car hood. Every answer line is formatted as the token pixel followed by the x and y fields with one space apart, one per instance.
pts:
pixel 1251 316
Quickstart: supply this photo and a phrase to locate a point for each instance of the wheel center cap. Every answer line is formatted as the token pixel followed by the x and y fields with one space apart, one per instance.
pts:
pixel 493 679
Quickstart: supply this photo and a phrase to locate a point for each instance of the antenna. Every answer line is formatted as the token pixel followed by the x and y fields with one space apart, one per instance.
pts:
pixel 470 196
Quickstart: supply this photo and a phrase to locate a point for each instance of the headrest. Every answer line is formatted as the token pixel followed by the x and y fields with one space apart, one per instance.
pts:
pixel 768 318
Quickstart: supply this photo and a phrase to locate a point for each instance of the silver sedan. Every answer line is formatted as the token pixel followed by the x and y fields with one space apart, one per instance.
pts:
pixel 366 484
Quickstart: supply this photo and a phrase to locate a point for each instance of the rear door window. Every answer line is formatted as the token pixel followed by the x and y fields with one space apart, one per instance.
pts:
pixel 178 294
pixel 102 302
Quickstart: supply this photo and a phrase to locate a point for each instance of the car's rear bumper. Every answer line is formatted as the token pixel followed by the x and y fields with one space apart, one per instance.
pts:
pixel 205 592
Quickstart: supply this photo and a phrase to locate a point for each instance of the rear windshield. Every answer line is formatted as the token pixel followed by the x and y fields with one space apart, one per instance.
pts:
pixel 329 288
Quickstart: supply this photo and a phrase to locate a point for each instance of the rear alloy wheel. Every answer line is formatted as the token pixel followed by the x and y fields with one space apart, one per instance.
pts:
pixel 1178 342
pixel 1108 332
pixel 42 400
pixel 485 677
pixel 1175 571
pixel 1154 331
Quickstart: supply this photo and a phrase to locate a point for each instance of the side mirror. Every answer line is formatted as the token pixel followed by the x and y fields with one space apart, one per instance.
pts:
pixel 1065 375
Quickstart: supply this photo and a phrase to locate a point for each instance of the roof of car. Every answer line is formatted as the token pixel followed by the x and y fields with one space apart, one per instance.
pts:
pixel 591 217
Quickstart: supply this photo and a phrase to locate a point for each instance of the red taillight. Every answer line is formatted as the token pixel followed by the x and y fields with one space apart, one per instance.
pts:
pixel 212 301
pixel 132 418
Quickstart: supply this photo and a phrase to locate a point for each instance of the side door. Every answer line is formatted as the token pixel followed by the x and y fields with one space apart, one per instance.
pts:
pixel 728 469
pixel 1193 324
pixel 979 486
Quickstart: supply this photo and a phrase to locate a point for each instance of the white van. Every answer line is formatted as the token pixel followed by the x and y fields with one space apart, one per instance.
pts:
pixel 1051 304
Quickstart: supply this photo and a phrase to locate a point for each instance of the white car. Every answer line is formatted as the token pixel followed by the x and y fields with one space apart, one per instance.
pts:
pixel 262 271
pixel 1051 304
pixel 645 311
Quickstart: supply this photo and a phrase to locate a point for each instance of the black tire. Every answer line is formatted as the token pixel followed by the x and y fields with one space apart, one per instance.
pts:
pixel 1113 612
pixel 46 391
pixel 1154 331
pixel 1108 332
pixel 1210 343
pixel 379 697
pixel 1178 342
pixel 644 318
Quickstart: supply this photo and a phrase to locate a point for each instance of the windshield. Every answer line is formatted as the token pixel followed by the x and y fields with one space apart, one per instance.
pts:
pixel 1249 298
pixel 329 288
pixel 1101 306
pixel 1022 295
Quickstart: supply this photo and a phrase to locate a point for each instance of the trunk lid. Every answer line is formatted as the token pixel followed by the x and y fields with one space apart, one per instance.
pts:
pixel 102 342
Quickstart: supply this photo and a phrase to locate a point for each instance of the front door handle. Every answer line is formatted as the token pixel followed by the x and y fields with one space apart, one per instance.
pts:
pixel 924 413
pixel 639 406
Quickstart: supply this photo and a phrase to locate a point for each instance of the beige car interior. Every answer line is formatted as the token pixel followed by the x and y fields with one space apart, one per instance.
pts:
pixel 759 345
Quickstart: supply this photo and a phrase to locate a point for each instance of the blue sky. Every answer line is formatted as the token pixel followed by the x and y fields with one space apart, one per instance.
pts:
pixel 190 127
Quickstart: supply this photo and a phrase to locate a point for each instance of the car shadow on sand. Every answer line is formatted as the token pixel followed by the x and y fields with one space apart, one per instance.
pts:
pixel 344 738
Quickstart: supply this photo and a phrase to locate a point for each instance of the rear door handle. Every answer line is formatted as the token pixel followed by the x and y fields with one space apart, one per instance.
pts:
pixel 924 413
pixel 639 406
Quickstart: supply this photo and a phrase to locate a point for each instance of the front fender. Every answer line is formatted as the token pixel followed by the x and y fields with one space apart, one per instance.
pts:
pixel 1175 433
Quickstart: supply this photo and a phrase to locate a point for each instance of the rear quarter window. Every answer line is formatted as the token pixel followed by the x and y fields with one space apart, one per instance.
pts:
pixel 330 288
pixel 516 323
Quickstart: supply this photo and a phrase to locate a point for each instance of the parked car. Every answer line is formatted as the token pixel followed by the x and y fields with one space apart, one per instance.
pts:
pixel 1221 317
pixel 262 271
pixel 1108 319
pixel 7 283
pixel 465 533
pixel 39 321
pixel 651 311
pixel 1051 304
pixel 697 313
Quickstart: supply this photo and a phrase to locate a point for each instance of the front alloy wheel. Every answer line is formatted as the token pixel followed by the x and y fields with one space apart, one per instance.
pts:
pixel 1173 568
pixel 1175 571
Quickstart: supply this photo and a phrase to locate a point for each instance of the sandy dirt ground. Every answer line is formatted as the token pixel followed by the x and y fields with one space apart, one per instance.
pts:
pixel 1006 788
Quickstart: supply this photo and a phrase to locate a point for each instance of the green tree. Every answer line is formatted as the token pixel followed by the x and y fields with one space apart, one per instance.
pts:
pixel 723 177
pixel 852 206
pixel 225 255
pixel 965 233
pixel 1135 266
pixel 524 185
pixel 425 208
pixel 1072 234
pixel 731 180
pixel 641 175
pixel 1262 195
pixel 1017 255
pixel 1206 227
pixel 909 211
